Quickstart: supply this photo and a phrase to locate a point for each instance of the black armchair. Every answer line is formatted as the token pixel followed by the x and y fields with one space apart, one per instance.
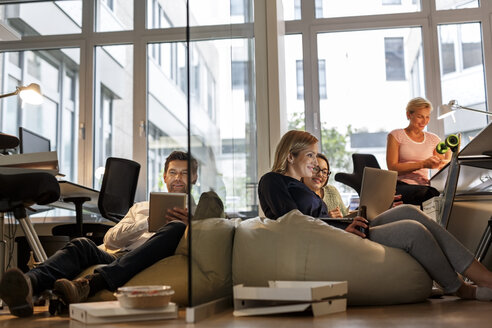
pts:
pixel 20 189
pixel 354 179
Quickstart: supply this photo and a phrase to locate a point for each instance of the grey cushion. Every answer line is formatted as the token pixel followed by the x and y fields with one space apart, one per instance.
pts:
pixel 299 247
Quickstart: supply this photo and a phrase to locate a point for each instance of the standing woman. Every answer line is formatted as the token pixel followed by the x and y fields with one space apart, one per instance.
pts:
pixel 404 226
pixel 412 152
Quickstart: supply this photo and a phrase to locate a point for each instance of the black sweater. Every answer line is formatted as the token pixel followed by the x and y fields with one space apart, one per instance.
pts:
pixel 279 194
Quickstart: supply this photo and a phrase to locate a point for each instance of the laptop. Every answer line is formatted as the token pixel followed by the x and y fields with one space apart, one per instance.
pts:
pixel 159 203
pixel 377 193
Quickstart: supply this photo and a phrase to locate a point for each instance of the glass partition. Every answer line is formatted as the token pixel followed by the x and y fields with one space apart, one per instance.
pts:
pixel 222 139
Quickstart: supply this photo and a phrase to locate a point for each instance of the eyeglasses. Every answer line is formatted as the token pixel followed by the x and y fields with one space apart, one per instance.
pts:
pixel 174 173
pixel 318 171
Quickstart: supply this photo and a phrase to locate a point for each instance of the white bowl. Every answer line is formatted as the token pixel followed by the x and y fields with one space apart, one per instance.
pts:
pixel 144 297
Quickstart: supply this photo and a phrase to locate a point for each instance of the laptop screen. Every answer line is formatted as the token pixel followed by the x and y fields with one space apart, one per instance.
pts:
pixel 377 191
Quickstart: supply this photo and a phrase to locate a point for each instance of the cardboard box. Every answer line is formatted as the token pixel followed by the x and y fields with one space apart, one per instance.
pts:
pixel 111 311
pixel 321 297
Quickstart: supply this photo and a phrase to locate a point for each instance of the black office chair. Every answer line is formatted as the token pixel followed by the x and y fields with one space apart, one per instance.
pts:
pixel 116 196
pixel 20 190
pixel 118 188
pixel 354 179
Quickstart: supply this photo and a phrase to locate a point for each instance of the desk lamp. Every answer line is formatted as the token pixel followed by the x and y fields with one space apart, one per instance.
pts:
pixel 31 94
pixel 449 108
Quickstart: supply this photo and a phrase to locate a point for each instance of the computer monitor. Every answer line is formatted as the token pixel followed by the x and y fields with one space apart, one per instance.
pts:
pixel 31 142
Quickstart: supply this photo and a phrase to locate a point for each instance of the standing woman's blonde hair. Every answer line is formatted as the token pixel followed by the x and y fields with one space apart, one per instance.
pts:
pixel 292 142
pixel 417 103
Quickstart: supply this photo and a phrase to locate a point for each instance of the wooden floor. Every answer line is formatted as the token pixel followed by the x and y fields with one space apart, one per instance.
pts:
pixel 446 312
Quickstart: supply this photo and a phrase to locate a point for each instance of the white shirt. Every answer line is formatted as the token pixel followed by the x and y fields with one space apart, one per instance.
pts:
pixel 131 232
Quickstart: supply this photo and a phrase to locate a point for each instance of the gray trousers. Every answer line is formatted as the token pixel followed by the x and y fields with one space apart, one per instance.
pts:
pixel 439 252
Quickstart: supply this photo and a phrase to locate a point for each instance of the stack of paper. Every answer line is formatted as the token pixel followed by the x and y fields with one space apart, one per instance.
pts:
pixel 31 162
pixel 106 312
pixel 321 297
pixel 432 207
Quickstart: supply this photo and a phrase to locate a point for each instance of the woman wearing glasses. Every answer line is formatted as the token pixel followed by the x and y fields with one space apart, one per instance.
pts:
pixel 405 227
pixel 328 193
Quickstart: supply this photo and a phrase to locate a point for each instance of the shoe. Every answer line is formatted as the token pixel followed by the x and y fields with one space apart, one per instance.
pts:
pixel 16 292
pixel 75 291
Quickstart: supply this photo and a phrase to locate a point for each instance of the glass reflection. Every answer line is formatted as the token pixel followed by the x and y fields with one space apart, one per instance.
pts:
pixel 113 106
pixel 460 50
pixel 337 8
pixel 456 4
pixel 23 18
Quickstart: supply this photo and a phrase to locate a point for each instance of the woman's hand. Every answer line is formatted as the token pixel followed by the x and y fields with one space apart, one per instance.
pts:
pixel 397 201
pixel 359 221
pixel 432 162
pixel 336 213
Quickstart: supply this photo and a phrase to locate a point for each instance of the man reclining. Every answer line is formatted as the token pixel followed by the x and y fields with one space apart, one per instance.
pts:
pixel 128 248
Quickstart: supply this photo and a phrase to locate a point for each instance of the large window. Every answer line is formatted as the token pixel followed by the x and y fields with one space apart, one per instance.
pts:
pixel 462 65
pixel 370 65
pixel 91 116
pixel 371 103
pixel 27 19
pixel 56 71
pixel 113 105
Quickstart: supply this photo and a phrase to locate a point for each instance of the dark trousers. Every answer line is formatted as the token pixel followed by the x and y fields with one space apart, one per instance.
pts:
pixel 415 194
pixel 80 253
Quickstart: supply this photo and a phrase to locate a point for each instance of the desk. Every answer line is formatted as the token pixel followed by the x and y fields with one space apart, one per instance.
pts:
pixel 468 172
pixel 466 183
pixel 69 189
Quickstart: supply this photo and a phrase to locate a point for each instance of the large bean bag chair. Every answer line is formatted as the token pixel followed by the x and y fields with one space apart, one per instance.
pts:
pixel 299 247
pixel 211 265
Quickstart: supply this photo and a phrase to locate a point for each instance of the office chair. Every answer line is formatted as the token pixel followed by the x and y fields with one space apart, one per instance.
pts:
pixel 116 196
pixel 354 179
pixel 20 190
pixel 118 188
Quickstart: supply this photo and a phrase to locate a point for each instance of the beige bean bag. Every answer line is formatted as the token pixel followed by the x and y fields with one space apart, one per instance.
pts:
pixel 211 271
pixel 298 247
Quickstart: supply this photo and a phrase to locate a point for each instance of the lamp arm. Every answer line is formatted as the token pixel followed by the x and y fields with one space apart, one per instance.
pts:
pixel 476 110
pixel 10 94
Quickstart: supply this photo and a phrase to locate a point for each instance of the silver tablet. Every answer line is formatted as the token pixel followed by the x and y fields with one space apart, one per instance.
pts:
pixel 159 203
